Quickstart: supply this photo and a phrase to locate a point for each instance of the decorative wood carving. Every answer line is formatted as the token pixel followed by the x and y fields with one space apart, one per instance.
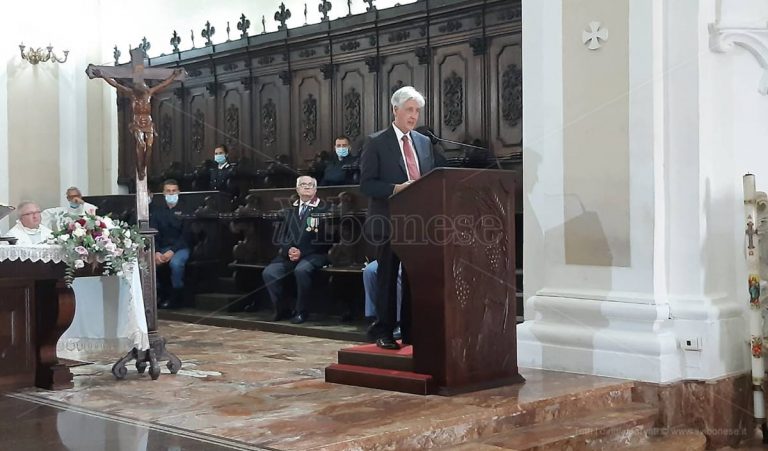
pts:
pixel 512 95
pixel 453 101
pixel 198 131
pixel 370 7
pixel 212 88
pixel 269 122
pixel 350 45
pixel 423 54
pixel 352 114
pixel 450 27
pixel 264 60
pixel 194 73
pixel 229 67
pixel 243 25
pixel 323 8
pixel 373 63
pixel 327 70
pixel 175 41
pixel 307 53
pixel 232 124
pixel 399 36
pixel 285 77
pixel 208 33
pixel 309 119
pixel 510 14
pixel 247 82
pixel 116 54
pixel 166 134
pixel 398 84
pixel 479 46
pixel 282 15
pixel 145 45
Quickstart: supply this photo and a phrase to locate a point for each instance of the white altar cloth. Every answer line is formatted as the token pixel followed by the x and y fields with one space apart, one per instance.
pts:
pixel 109 310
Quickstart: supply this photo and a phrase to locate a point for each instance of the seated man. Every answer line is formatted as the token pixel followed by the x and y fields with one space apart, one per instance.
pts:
pixel 75 206
pixel 221 174
pixel 334 173
pixel 369 283
pixel 170 243
pixel 302 251
pixel 28 229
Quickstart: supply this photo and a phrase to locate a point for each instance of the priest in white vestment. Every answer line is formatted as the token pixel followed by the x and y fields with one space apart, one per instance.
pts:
pixel 28 229
pixel 75 205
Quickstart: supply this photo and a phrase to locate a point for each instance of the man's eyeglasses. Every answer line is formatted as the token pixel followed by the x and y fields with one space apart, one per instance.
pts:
pixel 306 185
pixel 32 213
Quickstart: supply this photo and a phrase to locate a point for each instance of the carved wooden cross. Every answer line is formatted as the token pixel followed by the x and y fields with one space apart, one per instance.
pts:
pixel 141 123
pixel 751 232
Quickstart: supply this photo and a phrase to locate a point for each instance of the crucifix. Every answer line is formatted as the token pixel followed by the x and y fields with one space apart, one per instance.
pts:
pixel 132 82
pixel 141 125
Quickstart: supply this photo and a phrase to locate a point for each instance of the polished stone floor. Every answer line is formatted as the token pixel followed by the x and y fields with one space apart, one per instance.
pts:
pixel 249 389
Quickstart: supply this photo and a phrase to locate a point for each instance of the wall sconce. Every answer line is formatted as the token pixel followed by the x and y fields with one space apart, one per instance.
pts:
pixel 35 56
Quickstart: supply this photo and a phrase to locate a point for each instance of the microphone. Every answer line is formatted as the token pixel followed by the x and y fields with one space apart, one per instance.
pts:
pixel 469 146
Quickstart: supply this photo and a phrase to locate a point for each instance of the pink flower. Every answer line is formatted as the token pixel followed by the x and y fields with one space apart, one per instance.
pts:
pixel 81 250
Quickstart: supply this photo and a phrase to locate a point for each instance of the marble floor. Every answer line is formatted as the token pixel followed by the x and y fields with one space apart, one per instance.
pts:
pixel 247 389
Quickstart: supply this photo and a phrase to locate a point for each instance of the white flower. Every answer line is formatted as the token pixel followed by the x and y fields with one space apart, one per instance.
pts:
pixel 79 232
pixel 110 247
pixel 105 233
pixel 127 242
pixel 63 238
pixel 79 264
pixel 127 233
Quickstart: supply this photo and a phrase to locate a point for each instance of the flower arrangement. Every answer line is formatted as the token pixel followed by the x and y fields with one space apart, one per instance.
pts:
pixel 91 239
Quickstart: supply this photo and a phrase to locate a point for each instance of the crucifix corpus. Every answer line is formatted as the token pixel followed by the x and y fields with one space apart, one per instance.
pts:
pixel 141 125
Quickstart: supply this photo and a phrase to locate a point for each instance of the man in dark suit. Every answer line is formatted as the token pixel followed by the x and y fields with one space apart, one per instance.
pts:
pixel 302 251
pixel 170 243
pixel 391 159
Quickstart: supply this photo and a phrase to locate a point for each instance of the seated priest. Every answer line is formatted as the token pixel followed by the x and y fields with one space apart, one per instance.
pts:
pixel 302 251
pixel 28 229
pixel 75 205
pixel 334 172
pixel 170 244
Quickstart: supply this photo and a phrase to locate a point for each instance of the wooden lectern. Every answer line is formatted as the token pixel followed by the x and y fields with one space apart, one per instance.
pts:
pixel 454 231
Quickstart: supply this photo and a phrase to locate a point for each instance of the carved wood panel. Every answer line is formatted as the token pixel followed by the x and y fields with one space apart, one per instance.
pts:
pixel 506 90
pixel 354 103
pixel 311 126
pixel 271 119
pixel 168 122
pixel 233 112
pixel 201 123
pixel 397 71
pixel 457 94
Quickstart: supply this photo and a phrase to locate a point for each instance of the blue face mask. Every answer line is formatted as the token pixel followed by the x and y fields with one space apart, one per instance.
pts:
pixel 171 198
pixel 220 158
pixel 74 205
pixel 342 151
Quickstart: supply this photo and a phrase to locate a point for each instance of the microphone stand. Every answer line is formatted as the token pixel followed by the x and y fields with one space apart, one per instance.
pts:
pixel 470 146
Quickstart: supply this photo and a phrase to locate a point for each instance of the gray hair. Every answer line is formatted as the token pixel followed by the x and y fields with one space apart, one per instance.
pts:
pixel 405 94
pixel 23 204
pixel 298 180
pixel 74 188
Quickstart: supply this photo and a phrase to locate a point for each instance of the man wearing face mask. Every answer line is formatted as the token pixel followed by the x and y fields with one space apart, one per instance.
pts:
pixel 334 173
pixel 170 243
pixel 28 229
pixel 75 205
pixel 221 174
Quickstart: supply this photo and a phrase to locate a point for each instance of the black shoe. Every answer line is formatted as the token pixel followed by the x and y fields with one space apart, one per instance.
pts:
pixel 299 318
pixel 387 343
pixel 280 314
pixel 373 332
pixel 397 334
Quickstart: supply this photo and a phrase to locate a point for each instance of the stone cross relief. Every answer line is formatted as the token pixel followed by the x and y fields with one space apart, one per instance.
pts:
pixel 141 125
pixel 593 37
pixel 751 232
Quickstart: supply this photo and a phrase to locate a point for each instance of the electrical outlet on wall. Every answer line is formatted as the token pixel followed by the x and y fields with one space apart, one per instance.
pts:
pixel 691 344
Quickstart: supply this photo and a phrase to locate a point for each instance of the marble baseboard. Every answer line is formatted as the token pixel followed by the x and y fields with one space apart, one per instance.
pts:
pixel 721 409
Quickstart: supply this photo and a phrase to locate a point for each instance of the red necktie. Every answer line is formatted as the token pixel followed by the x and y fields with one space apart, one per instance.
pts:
pixel 410 159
